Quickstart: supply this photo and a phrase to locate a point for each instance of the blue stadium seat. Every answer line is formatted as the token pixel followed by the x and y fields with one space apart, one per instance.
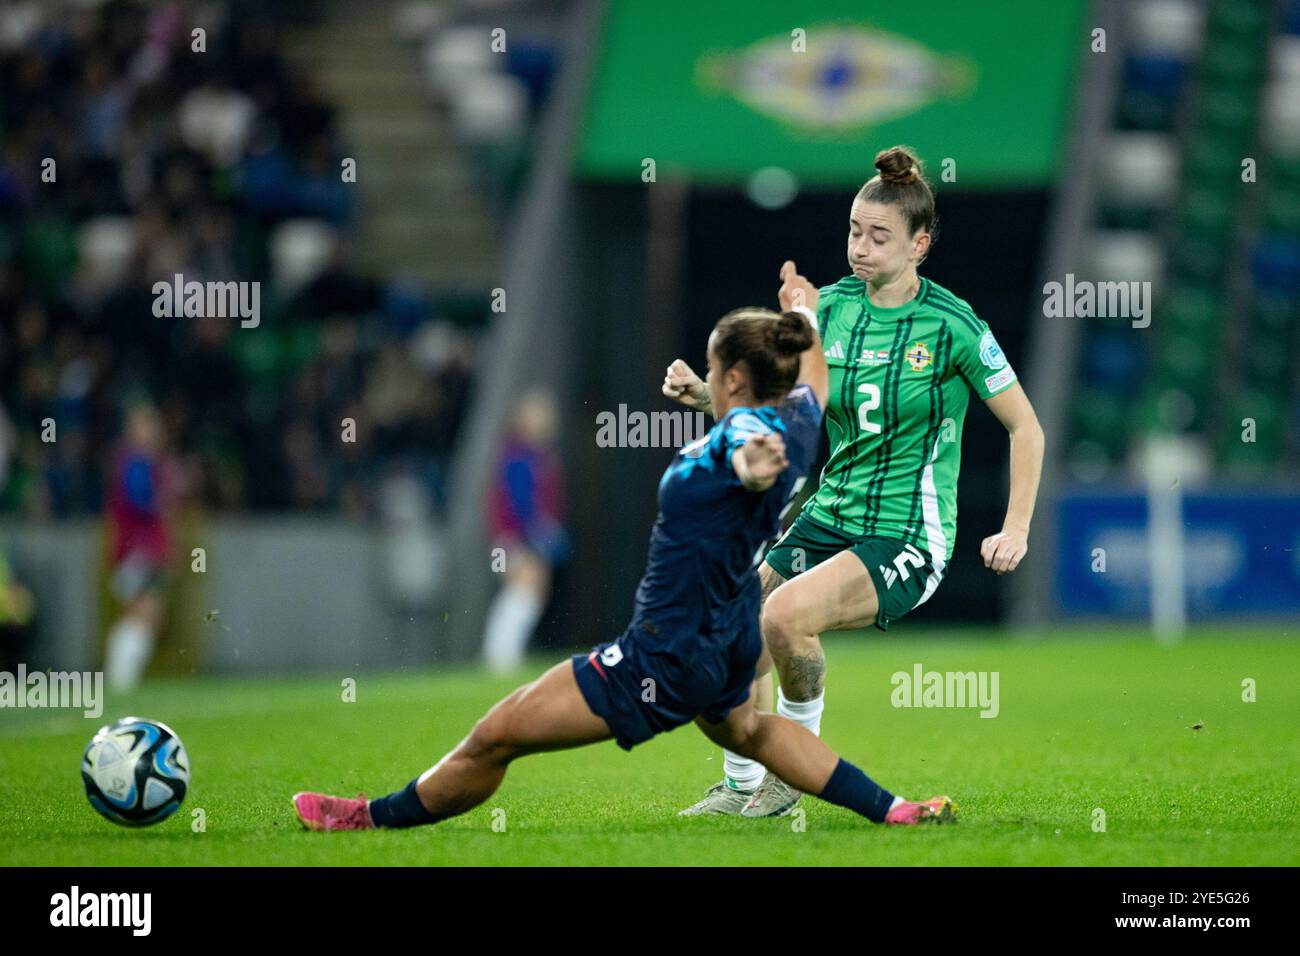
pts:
pixel 1276 263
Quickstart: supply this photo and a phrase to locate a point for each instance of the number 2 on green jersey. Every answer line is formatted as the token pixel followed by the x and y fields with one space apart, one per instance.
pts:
pixel 872 402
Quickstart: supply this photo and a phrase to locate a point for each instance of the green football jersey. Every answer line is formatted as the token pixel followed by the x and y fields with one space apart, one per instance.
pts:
pixel 900 383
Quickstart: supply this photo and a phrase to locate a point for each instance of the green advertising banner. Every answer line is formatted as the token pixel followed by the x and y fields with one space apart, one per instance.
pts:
pixel 718 89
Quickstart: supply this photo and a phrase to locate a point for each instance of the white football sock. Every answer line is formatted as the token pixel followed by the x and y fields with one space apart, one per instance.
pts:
pixel 746 774
pixel 130 645
pixel 807 713
pixel 515 612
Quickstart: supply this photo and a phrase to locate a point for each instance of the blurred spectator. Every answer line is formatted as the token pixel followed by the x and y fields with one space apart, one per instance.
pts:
pixel 143 486
pixel 525 515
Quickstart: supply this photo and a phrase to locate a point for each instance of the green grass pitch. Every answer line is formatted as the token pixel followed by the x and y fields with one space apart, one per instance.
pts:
pixel 1085 722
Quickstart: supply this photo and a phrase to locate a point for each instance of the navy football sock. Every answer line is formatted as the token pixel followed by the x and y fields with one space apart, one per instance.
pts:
pixel 850 787
pixel 400 809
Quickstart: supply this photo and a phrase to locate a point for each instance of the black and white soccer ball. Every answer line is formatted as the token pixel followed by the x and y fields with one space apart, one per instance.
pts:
pixel 136 771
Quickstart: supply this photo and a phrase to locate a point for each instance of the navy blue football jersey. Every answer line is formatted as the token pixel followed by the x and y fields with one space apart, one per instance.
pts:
pixel 699 588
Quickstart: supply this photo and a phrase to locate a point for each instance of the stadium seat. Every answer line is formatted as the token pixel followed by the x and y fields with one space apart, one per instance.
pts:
pixel 1211 160
pixel 494 110
pixel 1282 212
pixel 1190 310
pixel 1231 19
pixel 1141 169
pixel 1230 113
pixel 1100 417
pixel 1276 263
pixel 1113 361
pixel 1232 65
pixel 456 56
pixel 1275 313
pixel 1187 362
pixel 1197 259
pixel 1291 18
pixel 1284 66
pixel 1281 119
pixel 1269 445
pixel 417 19
pixel 1168 27
pixel 1126 255
pixel 1208 212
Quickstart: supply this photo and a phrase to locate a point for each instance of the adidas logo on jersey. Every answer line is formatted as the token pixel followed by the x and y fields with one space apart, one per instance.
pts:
pixel 868 357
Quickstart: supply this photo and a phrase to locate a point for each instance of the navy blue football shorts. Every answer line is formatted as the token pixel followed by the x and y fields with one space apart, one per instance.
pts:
pixel 641 691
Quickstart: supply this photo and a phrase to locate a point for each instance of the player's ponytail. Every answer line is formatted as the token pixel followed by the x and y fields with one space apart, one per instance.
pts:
pixel 769 346
pixel 900 181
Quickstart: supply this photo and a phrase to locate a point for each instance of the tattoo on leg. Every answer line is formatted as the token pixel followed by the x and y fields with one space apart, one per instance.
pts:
pixel 770 582
pixel 802 678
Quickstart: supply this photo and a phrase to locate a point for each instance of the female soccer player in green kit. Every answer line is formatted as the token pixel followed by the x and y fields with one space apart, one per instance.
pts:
pixel 873 542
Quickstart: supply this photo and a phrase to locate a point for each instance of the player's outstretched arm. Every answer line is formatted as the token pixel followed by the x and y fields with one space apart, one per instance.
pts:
pixel 681 384
pixel 797 294
pixel 759 461
pixel 1003 552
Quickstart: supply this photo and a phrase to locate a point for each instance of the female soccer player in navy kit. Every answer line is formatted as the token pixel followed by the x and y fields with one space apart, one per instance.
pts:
pixel 691 648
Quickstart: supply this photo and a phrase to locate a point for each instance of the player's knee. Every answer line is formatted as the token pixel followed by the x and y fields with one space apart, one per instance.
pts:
pixel 491 740
pixel 487 744
pixel 783 631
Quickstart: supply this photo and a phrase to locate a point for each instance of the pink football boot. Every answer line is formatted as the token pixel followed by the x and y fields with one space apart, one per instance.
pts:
pixel 912 812
pixel 319 811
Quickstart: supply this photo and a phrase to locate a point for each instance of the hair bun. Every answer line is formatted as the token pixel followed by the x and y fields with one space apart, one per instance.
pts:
pixel 898 165
pixel 792 334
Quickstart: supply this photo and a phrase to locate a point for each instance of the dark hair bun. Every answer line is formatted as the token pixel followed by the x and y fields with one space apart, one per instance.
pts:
pixel 791 334
pixel 898 165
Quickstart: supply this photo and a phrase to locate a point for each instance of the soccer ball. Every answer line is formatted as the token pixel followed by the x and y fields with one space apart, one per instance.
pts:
pixel 136 771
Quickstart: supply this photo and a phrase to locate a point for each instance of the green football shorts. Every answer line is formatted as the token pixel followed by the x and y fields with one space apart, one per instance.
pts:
pixel 903 574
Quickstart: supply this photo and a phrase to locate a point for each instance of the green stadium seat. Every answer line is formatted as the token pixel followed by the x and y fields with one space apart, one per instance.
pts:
pixel 1186 361
pixel 1190 310
pixel 1275 314
pixel 1101 417
pixel 1268 448
pixel 1209 159
pixel 1207 213
pixel 1197 260
pixel 1283 174
pixel 1235 65
pixel 1265 363
pixel 1231 21
pixel 1282 211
